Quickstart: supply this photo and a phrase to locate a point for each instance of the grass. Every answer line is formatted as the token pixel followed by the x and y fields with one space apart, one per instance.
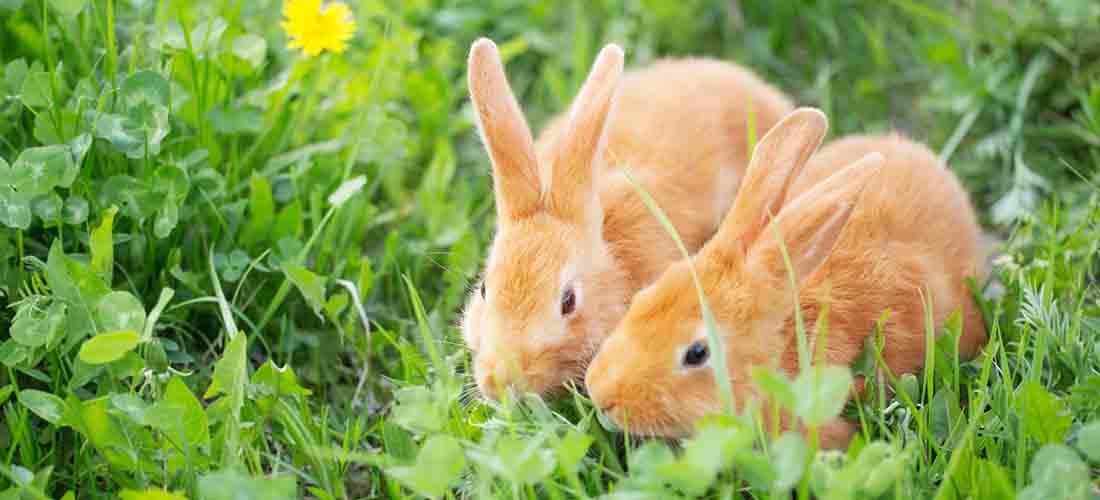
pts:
pixel 191 310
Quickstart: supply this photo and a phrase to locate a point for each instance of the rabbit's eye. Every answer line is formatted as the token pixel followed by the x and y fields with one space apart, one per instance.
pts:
pixel 481 289
pixel 696 355
pixel 568 302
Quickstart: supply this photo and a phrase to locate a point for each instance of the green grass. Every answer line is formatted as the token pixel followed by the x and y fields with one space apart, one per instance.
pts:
pixel 189 309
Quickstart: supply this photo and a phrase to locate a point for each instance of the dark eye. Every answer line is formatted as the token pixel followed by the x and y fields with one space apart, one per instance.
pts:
pixel 696 354
pixel 568 302
pixel 481 288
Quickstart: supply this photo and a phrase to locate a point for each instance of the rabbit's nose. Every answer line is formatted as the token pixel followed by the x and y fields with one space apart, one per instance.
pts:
pixel 499 377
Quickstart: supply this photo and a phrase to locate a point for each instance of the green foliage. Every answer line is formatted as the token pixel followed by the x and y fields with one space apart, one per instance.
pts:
pixel 170 170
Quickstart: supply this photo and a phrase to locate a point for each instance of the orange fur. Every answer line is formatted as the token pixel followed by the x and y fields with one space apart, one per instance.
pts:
pixel 568 217
pixel 870 223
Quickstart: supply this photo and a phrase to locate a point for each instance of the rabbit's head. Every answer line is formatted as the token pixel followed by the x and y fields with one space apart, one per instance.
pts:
pixel 551 290
pixel 653 375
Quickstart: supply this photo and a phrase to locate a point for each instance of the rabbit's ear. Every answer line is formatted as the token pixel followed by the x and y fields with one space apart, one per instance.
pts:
pixel 580 145
pixel 812 224
pixel 776 162
pixel 505 133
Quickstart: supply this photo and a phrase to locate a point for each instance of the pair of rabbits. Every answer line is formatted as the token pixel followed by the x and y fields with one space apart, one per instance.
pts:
pixel 583 282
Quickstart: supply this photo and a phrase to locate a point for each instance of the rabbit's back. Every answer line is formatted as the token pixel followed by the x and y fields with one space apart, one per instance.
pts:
pixel 682 127
pixel 912 238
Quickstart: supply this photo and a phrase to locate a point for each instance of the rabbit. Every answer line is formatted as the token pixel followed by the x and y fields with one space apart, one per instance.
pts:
pixel 574 239
pixel 870 223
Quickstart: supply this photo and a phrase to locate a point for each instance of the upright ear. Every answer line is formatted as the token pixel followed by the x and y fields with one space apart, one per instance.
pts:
pixel 775 163
pixel 580 146
pixel 812 224
pixel 505 133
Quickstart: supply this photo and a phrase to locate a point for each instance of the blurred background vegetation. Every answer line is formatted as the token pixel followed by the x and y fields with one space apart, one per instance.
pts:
pixel 220 147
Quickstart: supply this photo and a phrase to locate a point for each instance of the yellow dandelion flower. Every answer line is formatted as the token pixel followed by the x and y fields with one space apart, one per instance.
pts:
pixel 315 29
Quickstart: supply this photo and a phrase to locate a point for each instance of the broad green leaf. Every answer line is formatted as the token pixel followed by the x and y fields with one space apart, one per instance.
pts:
pixel 145 87
pixel 36 89
pixel 232 485
pixel 789 456
pixel 47 207
pixel 35 328
pixel 79 145
pixel 103 246
pixel 68 8
pixel 438 464
pixel 279 381
pixel 142 125
pixel 945 412
pixel 14 74
pixel 47 406
pixel 1043 415
pixel 398 442
pixel 75 211
pixel 821 393
pixel 58 128
pixel 336 304
pixel 39 170
pixel 181 416
pixel 133 406
pixel 108 347
pixel 83 373
pixel 646 464
pixel 133 197
pixel 7 176
pixel 571 449
pixel 1057 472
pixel 232 266
pixel 229 380
pixel 1088 440
pixel 520 461
pixel 6 392
pixel 251 49
pixel 78 288
pixel 883 475
pixel 385 139
pixel 172 183
pixel 229 372
pixel 116 439
pixel 974 477
pixel 122 133
pixel 55 321
pixel 27 326
pixel 12 353
pixel 270 383
pixel 775 385
pixel 118 311
pixel 309 284
pixel 711 449
pixel 151 494
pixel 15 208
pixel 417 410
pixel 167 217
pixel 261 211
pixel 207 34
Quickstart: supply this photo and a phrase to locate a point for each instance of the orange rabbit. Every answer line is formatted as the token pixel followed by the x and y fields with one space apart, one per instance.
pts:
pixel 574 240
pixel 871 223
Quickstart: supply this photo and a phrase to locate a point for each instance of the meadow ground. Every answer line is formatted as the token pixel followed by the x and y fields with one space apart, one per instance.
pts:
pixel 197 222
